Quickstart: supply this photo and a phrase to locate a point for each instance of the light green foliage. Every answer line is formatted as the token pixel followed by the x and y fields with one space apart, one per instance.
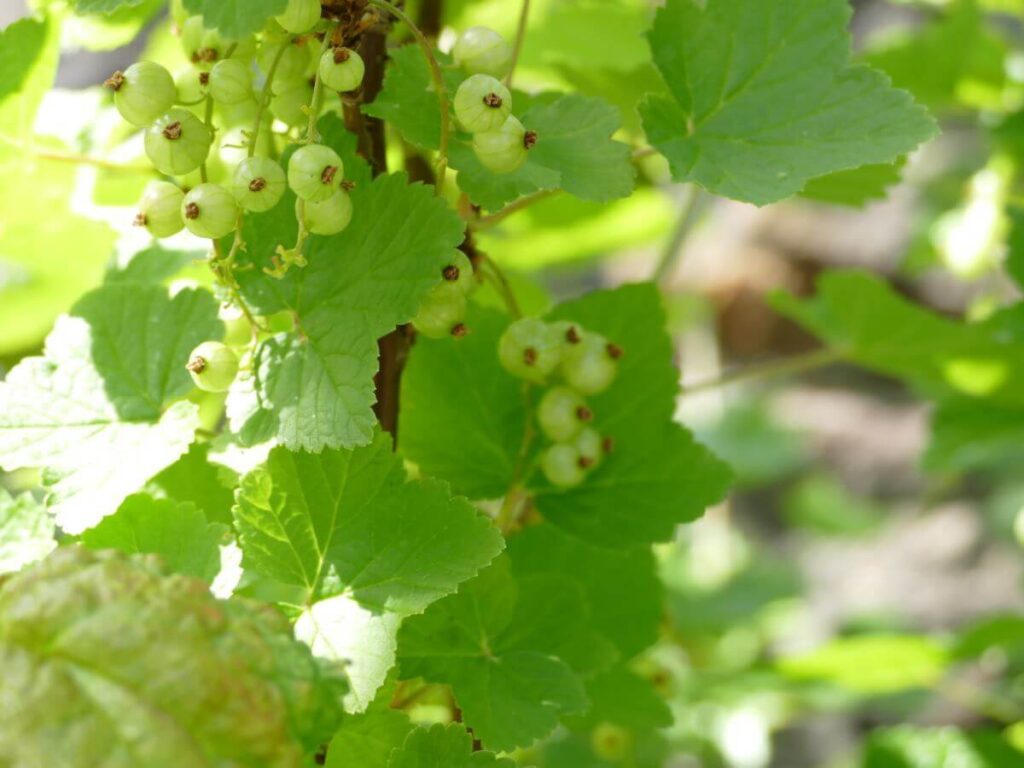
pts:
pixel 236 18
pixel 443 746
pixel 178 533
pixel 495 651
pixel 574 150
pixel 20 44
pixel 856 187
pixel 371 546
pixel 872 664
pixel 104 392
pixel 866 321
pixel 26 531
pixel 113 662
pixel 975 77
pixel 103 6
pixel 910 747
pixel 368 739
pixel 764 98
pixel 678 477
pixel 314 387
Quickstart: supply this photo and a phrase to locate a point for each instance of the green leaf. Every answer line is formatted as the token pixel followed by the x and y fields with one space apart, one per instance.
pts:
pixel 973 79
pixel 575 151
pixel 94 409
pixel 624 698
pixel 443 746
pixel 235 18
pixel 178 533
pixel 971 434
pixel 103 6
pixel 152 266
pixel 21 44
pixel 109 661
pixel 764 98
pixel 194 479
pixel 657 476
pixel 349 527
pixel 313 388
pixel 495 651
pixel 854 188
pixel 626 598
pixel 368 739
pixel 26 531
pixel 867 322
pixel 872 664
pixel 911 747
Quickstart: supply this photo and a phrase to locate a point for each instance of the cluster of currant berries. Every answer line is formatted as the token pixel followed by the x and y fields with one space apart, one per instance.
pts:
pixel 444 309
pixel 287 56
pixel 483 104
pixel 587 364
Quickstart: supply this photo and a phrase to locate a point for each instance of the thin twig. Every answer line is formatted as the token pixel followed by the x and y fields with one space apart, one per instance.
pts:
pixel 203 173
pixel 773 369
pixel 265 99
pixel 502 285
pixel 439 85
pixel 517 46
pixel 486 222
pixel 674 248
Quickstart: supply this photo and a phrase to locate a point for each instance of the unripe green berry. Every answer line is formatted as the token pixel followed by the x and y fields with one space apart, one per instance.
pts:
pixel 506 149
pixel 300 16
pixel 291 67
pixel 342 69
pixel 529 350
pixel 213 366
pixel 590 366
pixel 441 314
pixel 178 143
pixel 482 51
pixel 203 47
pixel 591 447
pixel 561 466
pixel 142 92
pixel 482 103
pixel 328 217
pixel 160 209
pixel 193 84
pixel 568 332
pixel 611 742
pixel 289 105
pixel 562 414
pixel 315 172
pixel 258 184
pixel 209 211
pixel 457 274
pixel 237 330
pixel 230 82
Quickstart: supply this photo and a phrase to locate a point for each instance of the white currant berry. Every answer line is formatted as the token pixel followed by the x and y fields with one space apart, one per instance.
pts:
pixel 291 66
pixel 529 350
pixel 342 69
pixel 561 466
pixel 315 172
pixel 237 330
pixel 590 366
pixel 562 413
pixel 209 211
pixel 482 103
pixel 213 366
pixel 142 92
pixel 457 274
pixel 258 184
pixel 178 143
pixel 328 217
pixel 611 742
pixel 192 84
pixel 482 51
pixel 568 332
pixel 290 104
pixel 203 47
pixel 300 16
pixel 591 447
pixel 160 209
pixel 441 314
pixel 230 82
pixel 505 149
